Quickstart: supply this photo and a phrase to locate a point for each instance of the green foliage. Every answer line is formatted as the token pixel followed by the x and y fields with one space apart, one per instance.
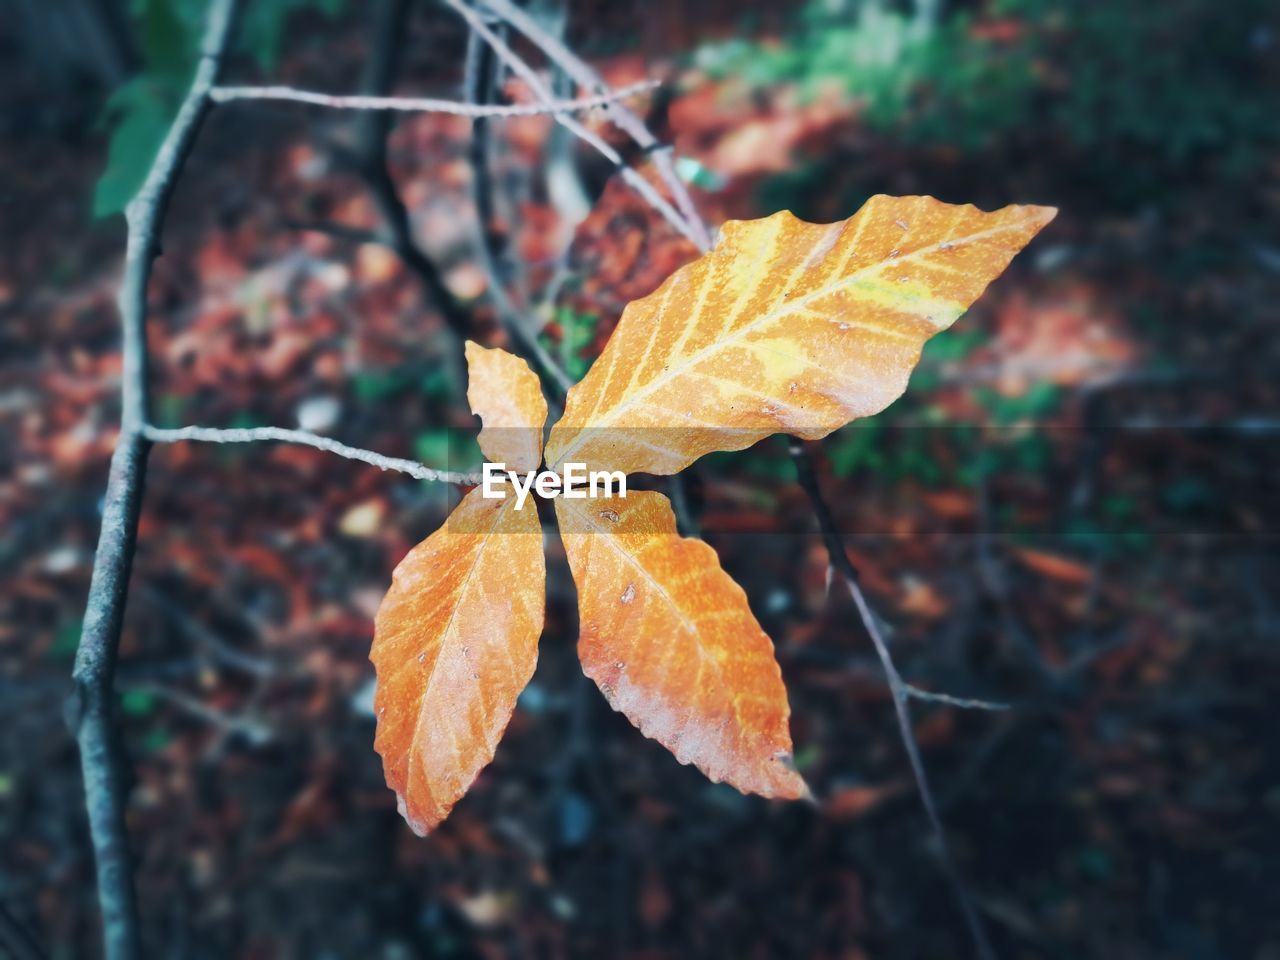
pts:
pixel 578 332
pixel 1160 86
pixel 897 454
pixel 138 703
pixel 929 82
pixel 444 449
pixel 1007 410
pixel 66 639
pixel 371 386
pixel 1178 78
pixel 262 26
pixel 140 111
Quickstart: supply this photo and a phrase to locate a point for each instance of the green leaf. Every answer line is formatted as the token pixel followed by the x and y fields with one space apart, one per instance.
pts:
pixel 141 112
pixel 445 449
pixel 262 29
pixel 137 703
pixel 170 38
pixel 66 639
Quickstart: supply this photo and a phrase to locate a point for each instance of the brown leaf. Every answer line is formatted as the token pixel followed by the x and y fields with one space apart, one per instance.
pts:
pixel 507 397
pixel 785 326
pixel 669 639
pixel 455 642
pixel 1055 566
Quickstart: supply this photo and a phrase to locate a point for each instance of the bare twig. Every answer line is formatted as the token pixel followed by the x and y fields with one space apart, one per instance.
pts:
pixel 340 231
pixel 428 104
pixel 900 691
pixel 965 703
pixel 543 93
pixel 478 83
pixel 255 731
pixel 220 649
pixel 16 941
pixel 306 438
pixel 686 522
pixel 390 22
pixel 626 120
pixel 91 708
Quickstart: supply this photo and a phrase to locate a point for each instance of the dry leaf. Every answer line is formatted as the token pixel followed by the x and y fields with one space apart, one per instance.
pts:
pixel 1056 567
pixel 669 639
pixel 507 397
pixel 785 326
pixel 455 642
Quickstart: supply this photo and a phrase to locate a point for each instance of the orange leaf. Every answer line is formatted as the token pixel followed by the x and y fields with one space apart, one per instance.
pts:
pixel 785 326
pixel 669 639
pixel 1055 567
pixel 455 641
pixel 507 397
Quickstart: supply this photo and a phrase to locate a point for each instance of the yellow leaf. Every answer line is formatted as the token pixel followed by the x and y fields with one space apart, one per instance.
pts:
pixel 455 641
pixel 507 397
pixel 669 639
pixel 785 326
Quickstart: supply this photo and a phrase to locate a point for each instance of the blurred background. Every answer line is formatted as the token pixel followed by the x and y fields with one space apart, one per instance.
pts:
pixel 1073 510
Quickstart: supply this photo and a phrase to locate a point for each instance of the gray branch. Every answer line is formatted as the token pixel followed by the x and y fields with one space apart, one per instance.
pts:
pixel 426 104
pixel 478 83
pixel 901 692
pixel 964 703
pixel 306 438
pixel 530 76
pixel 90 710
pixel 627 121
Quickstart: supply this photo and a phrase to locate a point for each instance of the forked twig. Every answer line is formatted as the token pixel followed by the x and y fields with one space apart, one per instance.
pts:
pixel 530 76
pixel 390 18
pixel 627 121
pixel 478 89
pixel 900 691
pixel 90 710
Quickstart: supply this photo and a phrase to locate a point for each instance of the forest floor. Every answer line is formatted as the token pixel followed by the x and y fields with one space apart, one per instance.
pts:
pixel 1073 511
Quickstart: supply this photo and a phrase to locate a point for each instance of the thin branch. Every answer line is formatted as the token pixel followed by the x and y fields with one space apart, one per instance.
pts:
pixel 428 104
pixel 306 438
pixel 965 703
pixel 256 732
pixel 17 941
pixel 340 231
pixel 626 120
pixel 220 649
pixel 90 710
pixel 390 23
pixel 543 93
pixel 478 84
pixel 900 691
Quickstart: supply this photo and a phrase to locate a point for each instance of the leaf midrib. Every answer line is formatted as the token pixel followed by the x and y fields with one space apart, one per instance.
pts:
pixel 444 636
pixel 672 372
pixel 690 625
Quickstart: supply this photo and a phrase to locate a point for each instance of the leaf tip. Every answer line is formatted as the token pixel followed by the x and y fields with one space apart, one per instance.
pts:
pixel 418 826
pixel 792 786
pixel 1041 216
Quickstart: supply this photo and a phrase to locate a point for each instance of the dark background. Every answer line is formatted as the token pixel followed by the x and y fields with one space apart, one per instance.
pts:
pixel 1073 510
